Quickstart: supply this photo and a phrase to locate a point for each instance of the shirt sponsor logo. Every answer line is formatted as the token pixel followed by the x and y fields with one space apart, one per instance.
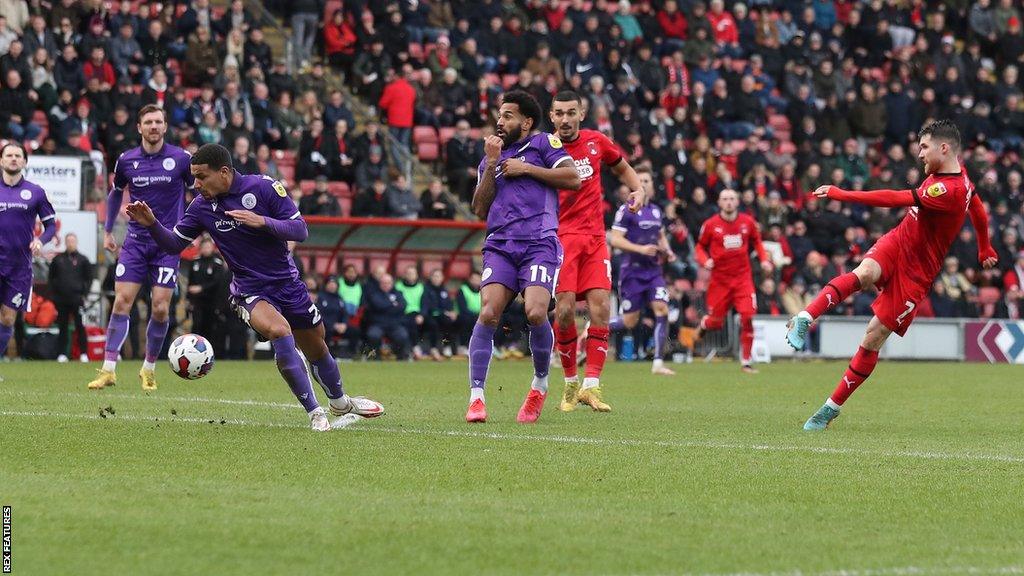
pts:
pixel 225 225
pixel 249 201
pixel 26 194
pixel 143 181
pixel 732 241
pixel 583 168
pixel 169 164
pixel 12 205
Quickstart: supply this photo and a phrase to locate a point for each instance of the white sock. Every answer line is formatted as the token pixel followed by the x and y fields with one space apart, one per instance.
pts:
pixel 340 403
pixel 832 404
pixel 806 314
pixel 658 363
pixel 148 365
pixel 540 384
pixel 476 394
pixel 573 380
pixel 314 411
pixel 591 383
pixel 109 365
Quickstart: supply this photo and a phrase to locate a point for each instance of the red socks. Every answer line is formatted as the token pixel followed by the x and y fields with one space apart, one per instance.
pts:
pixel 565 344
pixel 839 289
pixel 597 351
pixel 860 368
pixel 746 338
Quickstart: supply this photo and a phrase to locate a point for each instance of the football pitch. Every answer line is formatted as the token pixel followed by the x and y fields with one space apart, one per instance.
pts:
pixel 705 473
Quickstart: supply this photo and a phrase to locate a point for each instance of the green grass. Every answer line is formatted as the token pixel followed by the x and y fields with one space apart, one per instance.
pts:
pixel 705 473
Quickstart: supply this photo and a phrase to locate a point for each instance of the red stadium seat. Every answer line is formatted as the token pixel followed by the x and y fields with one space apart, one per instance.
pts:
pixel 431 264
pixel 460 270
pixel 475 133
pixel 307 186
pixel 787 148
pixel 508 80
pixel 428 151
pixel 340 189
pixel 446 134
pixel 287 171
pixel 422 134
pixel 330 7
pixel 416 51
pixel 346 205
pixel 403 262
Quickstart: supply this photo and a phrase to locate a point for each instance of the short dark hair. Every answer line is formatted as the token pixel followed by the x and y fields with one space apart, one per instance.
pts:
pixel 17 145
pixel 568 96
pixel 149 109
pixel 213 155
pixel 528 105
pixel 944 130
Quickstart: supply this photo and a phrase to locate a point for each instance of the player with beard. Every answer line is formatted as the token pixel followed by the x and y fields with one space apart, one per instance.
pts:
pixel 21 202
pixel 517 193
pixel 157 173
pixel 586 272
pixel 903 263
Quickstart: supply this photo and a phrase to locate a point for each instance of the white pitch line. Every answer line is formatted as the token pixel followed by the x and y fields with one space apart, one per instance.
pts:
pixel 578 440
pixel 901 571
pixel 149 397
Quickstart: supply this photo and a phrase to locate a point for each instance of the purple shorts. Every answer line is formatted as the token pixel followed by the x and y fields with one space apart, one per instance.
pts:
pixel 142 260
pixel 290 298
pixel 638 287
pixel 518 264
pixel 16 286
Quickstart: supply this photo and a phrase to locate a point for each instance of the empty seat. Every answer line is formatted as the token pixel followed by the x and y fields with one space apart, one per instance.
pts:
pixel 428 151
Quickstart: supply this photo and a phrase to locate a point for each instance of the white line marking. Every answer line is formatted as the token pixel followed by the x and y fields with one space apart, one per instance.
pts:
pixel 579 440
pixel 149 397
pixel 901 571
pixel 150 419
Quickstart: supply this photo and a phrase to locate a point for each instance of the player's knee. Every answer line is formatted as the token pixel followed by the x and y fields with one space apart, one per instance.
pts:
pixel 712 323
pixel 536 315
pixel 489 316
pixel 276 331
pixel 868 272
pixel 122 305
pixel 565 314
pixel 8 316
pixel 161 311
pixel 630 321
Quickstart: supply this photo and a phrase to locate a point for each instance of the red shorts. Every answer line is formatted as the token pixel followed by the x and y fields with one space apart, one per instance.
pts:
pixel 739 294
pixel 899 293
pixel 586 265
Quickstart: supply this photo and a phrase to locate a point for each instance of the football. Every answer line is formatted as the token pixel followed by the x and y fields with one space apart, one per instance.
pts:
pixel 191 356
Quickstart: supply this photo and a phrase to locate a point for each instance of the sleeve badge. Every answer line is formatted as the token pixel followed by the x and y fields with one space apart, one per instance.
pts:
pixel 280 189
pixel 936 190
pixel 554 141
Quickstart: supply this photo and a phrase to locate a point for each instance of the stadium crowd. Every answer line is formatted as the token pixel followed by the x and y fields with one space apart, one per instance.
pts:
pixel 771 98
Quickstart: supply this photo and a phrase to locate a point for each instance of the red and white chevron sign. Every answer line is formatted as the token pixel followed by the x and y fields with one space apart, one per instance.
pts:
pixel 996 342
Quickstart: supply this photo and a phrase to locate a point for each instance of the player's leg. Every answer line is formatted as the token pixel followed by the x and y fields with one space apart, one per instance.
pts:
pixel 8 316
pixel 596 284
pixel 537 300
pixel 837 290
pixel 659 307
pixel 156 332
pixel 860 368
pixel 566 333
pixel 273 326
pixel 494 298
pixel 325 371
pixel 717 301
pixel 117 331
pixel 744 300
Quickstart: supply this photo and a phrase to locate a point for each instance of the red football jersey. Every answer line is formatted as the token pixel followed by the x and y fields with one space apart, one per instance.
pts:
pixel 729 245
pixel 931 225
pixel 582 211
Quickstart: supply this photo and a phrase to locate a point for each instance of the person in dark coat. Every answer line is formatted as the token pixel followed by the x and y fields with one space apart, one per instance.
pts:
pixel 439 315
pixel 204 281
pixel 70 279
pixel 385 309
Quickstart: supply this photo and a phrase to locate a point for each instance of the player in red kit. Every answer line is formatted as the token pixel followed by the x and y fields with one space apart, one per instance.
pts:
pixel 586 272
pixel 724 247
pixel 903 263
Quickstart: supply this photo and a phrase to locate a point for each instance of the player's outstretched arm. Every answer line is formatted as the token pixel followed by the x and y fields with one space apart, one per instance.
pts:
pixel 979 220
pixel 167 240
pixel 619 241
pixel 879 198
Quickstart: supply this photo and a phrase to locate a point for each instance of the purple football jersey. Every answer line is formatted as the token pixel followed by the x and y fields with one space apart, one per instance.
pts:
pixel 255 256
pixel 159 180
pixel 642 228
pixel 525 208
pixel 20 205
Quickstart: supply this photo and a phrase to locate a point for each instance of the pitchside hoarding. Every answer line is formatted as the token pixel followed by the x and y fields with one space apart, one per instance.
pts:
pixel 995 341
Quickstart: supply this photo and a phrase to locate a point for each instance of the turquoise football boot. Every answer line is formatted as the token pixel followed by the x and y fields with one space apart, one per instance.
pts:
pixel 821 419
pixel 797 334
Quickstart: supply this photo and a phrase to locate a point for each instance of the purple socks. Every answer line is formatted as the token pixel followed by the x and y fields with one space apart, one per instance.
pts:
pixel 325 371
pixel 481 343
pixel 155 334
pixel 5 337
pixel 117 332
pixel 293 369
pixel 660 332
pixel 541 341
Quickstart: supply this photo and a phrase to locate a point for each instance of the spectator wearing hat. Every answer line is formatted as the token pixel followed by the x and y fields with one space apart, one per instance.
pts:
pixel 320 202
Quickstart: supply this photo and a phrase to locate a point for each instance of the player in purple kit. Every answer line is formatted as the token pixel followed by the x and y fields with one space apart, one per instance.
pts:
pixel 251 219
pixel 517 193
pixel 641 282
pixel 158 174
pixel 21 202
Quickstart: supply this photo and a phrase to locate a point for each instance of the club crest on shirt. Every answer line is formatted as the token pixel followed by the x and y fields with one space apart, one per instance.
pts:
pixel 554 141
pixel 26 194
pixel 280 189
pixel 119 271
pixel 169 164
pixel 249 201
pixel 487 274
pixel 592 148
pixel 936 190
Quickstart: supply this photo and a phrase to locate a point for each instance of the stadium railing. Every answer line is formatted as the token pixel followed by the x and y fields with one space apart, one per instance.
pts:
pixel 370 242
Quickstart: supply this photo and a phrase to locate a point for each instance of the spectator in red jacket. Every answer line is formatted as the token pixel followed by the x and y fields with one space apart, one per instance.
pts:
pixel 340 42
pixel 99 67
pixel 726 33
pixel 399 103
pixel 673 27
